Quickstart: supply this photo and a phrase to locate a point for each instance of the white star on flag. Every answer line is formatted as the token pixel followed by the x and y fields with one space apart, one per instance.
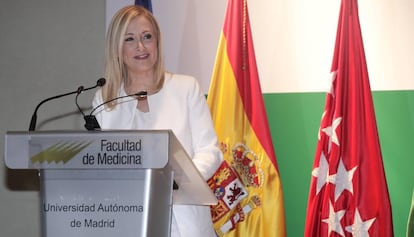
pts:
pixel 359 228
pixel 331 132
pixel 334 220
pixel 332 77
pixel 319 131
pixel 321 173
pixel 342 179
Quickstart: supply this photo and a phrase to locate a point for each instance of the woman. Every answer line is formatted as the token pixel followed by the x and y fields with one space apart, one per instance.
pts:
pixel 134 63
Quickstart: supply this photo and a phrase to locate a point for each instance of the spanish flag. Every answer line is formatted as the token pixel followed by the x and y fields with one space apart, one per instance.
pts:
pixel 247 184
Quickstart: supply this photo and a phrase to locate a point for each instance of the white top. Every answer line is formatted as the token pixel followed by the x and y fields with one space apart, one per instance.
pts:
pixel 181 107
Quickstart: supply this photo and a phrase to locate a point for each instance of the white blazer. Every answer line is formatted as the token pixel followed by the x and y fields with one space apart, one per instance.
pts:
pixel 180 106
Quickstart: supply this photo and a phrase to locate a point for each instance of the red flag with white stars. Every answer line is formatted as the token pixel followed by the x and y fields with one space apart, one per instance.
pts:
pixel 348 193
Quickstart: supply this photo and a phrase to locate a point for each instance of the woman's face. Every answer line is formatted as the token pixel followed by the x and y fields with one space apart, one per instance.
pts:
pixel 139 48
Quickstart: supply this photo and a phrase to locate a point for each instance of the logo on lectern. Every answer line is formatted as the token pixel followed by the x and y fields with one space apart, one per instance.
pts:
pixel 60 152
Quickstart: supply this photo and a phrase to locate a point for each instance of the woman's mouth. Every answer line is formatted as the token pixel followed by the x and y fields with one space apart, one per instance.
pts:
pixel 142 56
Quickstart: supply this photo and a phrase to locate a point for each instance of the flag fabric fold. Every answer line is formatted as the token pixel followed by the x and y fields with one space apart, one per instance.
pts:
pixel 247 184
pixel 410 224
pixel 348 193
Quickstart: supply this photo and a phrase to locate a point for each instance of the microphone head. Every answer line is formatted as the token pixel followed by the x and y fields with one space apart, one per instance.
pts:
pixel 101 81
pixel 141 94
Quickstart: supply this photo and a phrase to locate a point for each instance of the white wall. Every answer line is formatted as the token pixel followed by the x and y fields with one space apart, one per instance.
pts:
pixel 293 39
pixel 49 47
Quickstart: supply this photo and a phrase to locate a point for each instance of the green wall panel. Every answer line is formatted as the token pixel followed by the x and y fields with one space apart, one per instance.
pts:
pixel 294 122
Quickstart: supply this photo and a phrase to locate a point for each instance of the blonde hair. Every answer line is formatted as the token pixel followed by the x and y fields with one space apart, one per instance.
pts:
pixel 115 70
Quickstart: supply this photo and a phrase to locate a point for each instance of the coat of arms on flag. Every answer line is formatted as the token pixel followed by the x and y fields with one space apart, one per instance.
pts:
pixel 230 182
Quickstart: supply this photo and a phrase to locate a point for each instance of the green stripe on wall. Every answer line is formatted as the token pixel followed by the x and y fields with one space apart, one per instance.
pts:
pixel 294 122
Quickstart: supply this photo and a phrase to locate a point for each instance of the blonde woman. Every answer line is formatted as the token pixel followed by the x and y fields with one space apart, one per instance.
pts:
pixel 134 63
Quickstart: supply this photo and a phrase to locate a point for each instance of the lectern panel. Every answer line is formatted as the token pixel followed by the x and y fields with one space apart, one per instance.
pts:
pixel 105 203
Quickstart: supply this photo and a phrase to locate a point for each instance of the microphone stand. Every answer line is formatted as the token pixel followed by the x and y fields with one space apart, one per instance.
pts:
pixel 32 126
pixel 90 120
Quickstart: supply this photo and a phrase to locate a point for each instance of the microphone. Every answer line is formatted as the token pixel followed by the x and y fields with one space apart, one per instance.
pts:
pixel 90 120
pixel 80 89
pixel 100 82
pixel 32 125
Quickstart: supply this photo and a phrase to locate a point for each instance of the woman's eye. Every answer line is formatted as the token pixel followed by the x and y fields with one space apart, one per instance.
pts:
pixel 147 37
pixel 129 39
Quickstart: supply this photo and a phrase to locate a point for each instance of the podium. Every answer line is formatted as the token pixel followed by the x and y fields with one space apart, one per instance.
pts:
pixel 108 183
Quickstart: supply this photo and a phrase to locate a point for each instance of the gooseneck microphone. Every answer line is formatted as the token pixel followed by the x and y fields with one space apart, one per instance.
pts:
pixel 80 89
pixel 32 125
pixel 90 120
pixel 100 82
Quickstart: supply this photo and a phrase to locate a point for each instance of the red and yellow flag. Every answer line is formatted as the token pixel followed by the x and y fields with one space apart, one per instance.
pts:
pixel 247 184
pixel 348 192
